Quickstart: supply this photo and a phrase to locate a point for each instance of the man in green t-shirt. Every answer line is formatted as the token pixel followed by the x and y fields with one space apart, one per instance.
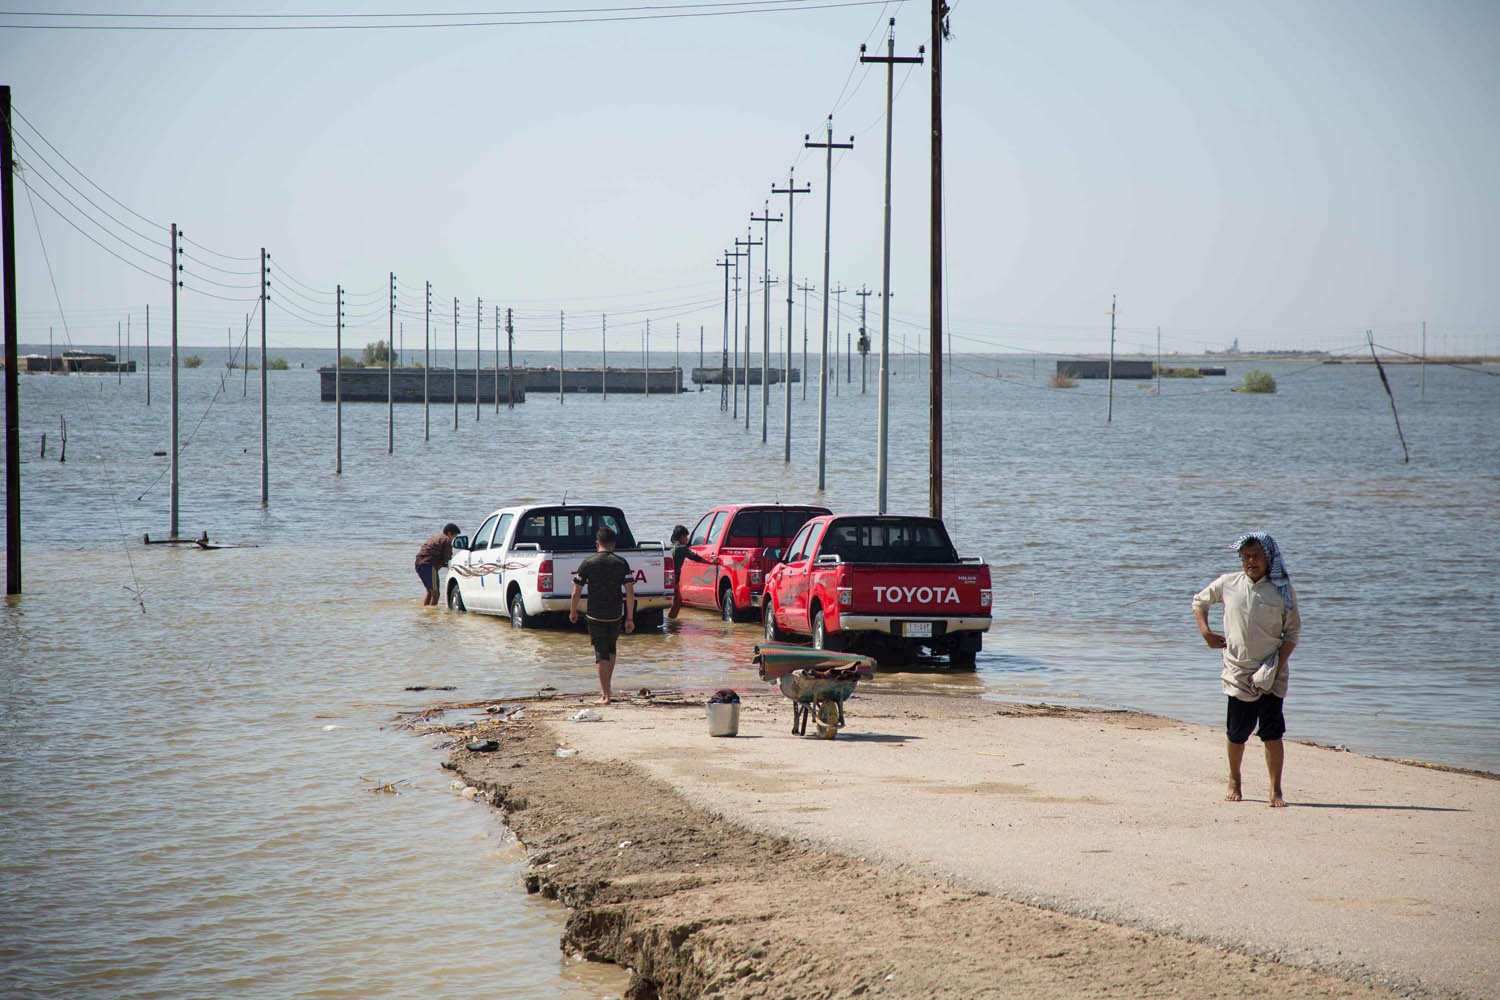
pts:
pixel 605 573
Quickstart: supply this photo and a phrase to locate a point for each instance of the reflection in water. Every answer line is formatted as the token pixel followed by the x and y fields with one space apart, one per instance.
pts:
pixel 187 779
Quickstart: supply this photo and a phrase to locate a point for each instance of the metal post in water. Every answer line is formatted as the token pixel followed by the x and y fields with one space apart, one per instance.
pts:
pixel 497 359
pixel 765 312
pixel 1109 390
pixel 603 357
pixel 561 325
pixel 1423 395
pixel 510 362
pixel 791 191
pixel 338 382
pixel 148 352
pixel 829 146
pixel 648 358
pixel 172 489
pixel 390 372
pixel 426 362
pixel 478 337
pixel 12 359
pixel 265 477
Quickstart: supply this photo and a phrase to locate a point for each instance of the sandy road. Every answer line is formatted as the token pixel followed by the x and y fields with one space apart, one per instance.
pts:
pixel 1379 871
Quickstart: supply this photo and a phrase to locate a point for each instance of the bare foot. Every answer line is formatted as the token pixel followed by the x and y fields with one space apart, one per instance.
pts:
pixel 603 699
pixel 1277 802
pixel 1233 794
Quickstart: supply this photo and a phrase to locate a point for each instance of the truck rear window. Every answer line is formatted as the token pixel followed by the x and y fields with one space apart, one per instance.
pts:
pixel 896 540
pixel 571 529
pixel 768 527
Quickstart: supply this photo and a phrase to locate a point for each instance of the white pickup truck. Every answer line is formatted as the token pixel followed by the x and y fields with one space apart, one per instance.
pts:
pixel 521 563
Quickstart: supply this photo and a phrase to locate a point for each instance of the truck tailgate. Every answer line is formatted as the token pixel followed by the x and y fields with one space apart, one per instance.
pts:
pixel 917 589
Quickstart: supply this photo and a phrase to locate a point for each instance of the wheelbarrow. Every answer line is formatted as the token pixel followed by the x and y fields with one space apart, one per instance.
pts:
pixel 818 681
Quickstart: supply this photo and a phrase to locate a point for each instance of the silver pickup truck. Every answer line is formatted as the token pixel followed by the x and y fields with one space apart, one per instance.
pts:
pixel 521 562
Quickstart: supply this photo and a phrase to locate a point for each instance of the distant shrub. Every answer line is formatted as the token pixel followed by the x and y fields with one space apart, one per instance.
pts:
pixel 192 361
pixel 376 353
pixel 348 362
pixel 276 364
pixel 1061 380
pixel 1258 381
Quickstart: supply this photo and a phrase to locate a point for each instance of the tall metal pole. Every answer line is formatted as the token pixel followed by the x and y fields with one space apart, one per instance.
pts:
pixel 765 312
pixel 265 468
pixel 1423 395
pixel 935 274
pixel 176 268
pixel 750 243
pixel 478 337
pixel 838 328
pixel 829 146
pixel 883 426
pixel 677 354
pixel 791 191
pixel 562 322
pixel 1158 362
pixel 426 363
pixel 455 362
pixel 12 357
pixel 390 371
pixel 864 337
pixel 497 359
pixel 723 368
pixel 1109 386
pixel 734 373
pixel 338 382
pixel 604 357
pixel 700 355
pixel 804 289
pixel 648 359
pixel 148 338
pixel 510 362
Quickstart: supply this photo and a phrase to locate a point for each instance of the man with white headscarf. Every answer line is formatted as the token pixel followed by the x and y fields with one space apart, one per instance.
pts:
pixel 1261 627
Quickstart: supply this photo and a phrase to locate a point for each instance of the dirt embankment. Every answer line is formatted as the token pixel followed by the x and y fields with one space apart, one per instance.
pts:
pixel 696 906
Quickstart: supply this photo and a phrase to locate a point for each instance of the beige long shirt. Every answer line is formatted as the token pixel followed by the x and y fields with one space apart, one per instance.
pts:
pixel 1256 623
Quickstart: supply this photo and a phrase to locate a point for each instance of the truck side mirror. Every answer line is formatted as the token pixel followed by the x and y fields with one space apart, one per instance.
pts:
pixel 460 542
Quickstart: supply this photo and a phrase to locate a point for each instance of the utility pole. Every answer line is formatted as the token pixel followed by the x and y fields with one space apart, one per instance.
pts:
pixel 176 272
pixel 749 243
pixel 864 338
pixel 838 329
pixel 882 435
pixel 1109 387
pixel 497 359
pixel 647 355
pixel 1423 395
pixel 935 272
pixel 478 338
pixel 426 362
pixel 1158 362
pixel 455 362
pixel 791 191
pixel 700 355
pixel 734 373
pixel 677 355
pixel 390 380
pixel 804 289
pixel 562 324
pixel 765 312
pixel 12 357
pixel 510 362
pixel 603 358
pixel 265 295
pixel 828 146
pixel 724 362
pixel 338 381
pixel 148 331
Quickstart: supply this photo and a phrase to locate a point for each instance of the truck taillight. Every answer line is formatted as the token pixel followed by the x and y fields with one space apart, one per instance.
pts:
pixel 671 577
pixel 984 598
pixel 544 577
pixel 846 597
pixel 755 577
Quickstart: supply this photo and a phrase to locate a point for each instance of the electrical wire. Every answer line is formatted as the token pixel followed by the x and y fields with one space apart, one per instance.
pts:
pixel 516 19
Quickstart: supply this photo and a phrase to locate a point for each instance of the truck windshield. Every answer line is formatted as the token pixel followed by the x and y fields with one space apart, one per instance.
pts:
pixel 571 529
pixel 769 527
pixel 886 539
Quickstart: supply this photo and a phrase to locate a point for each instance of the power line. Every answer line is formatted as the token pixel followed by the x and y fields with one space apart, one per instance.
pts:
pixel 508 18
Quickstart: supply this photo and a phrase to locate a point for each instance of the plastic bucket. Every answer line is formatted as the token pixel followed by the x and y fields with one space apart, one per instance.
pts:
pixel 723 719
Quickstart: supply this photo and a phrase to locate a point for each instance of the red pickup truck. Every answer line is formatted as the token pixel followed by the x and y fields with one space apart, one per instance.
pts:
pixel 738 535
pixel 880 583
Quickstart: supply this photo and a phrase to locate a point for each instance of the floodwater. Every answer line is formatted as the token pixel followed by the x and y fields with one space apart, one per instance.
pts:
pixel 191 739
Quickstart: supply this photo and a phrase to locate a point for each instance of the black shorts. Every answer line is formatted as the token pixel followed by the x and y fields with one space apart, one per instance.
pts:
pixel 429 575
pixel 603 634
pixel 1243 717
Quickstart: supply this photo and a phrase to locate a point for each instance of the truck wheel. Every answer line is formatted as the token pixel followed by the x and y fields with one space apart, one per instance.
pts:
pixel 826 718
pixel 962 659
pixel 455 598
pixel 726 603
pixel 820 637
pixel 650 620
pixel 518 616
pixel 768 621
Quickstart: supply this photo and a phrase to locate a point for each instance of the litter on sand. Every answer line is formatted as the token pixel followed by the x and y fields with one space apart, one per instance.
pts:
pixel 567 752
pixel 586 715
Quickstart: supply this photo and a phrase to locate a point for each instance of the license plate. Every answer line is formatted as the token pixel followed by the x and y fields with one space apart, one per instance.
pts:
pixel 915 629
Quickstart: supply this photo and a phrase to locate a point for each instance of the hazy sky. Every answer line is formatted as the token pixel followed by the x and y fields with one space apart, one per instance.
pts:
pixel 1284 173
